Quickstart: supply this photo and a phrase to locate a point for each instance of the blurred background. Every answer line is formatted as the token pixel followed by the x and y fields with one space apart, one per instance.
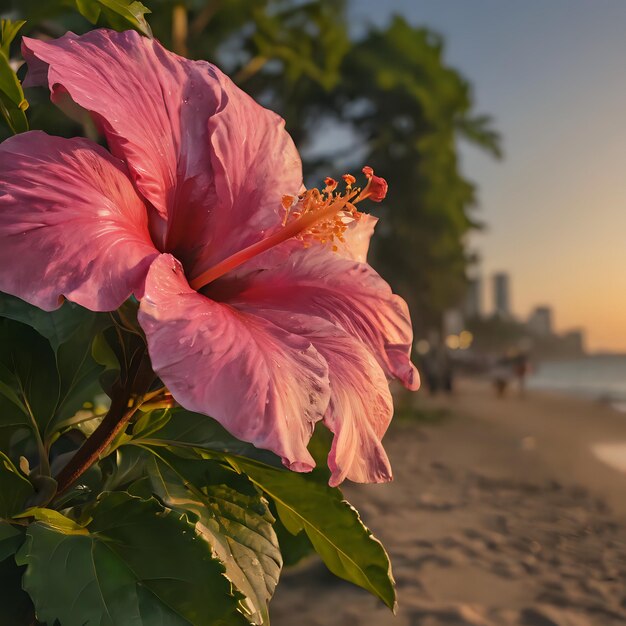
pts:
pixel 500 128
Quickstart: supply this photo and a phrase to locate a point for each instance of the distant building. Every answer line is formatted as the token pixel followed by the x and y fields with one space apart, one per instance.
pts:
pixel 574 340
pixel 473 300
pixel 501 300
pixel 540 321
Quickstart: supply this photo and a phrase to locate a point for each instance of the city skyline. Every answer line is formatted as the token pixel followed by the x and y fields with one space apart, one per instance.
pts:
pixel 551 75
pixel 494 294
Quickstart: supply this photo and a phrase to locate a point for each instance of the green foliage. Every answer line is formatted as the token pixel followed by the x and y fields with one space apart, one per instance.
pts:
pixel 8 32
pixel 12 100
pixel 16 607
pixel 14 489
pixel 346 546
pixel 29 383
pixel 294 548
pixel 311 513
pixel 307 40
pixel 10 540
pixel 136 562
pixel 219 520
pixel 193 430
pixel 42 389
pixel 56 326
pixel 119 14
pixel 235 521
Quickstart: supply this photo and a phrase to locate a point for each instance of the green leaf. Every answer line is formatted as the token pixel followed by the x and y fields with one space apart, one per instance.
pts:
pixel 54 519
pixel 121 14
pixel 16 607
pixel 56 326
pixel 139 564
pixel 10 539
pixel 334 527
pixel 104 354
pixel 150 422
pixel 12 100
pixel 294 548
pixel 8 32
pixel 89 9
pixel 28 376
pixel 193 430
pixel 14 488
pixel 123 467
pixel 238 525
pixel 79 373
pixel 69 366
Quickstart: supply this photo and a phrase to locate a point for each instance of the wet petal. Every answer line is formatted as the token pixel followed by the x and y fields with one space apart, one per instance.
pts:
pixel 318 282
pixel 357 238
pixel 361 406
pixel 71 224
pixel 255 164
pixel 262 383
pixel 212 162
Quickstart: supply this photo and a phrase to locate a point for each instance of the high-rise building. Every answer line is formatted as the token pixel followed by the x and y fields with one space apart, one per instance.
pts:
pixel 501 301
pixel 540 321
pixel 574 341
pixel 473 299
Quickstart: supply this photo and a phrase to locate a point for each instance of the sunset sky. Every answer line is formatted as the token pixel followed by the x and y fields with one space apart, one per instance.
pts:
pixel 553 75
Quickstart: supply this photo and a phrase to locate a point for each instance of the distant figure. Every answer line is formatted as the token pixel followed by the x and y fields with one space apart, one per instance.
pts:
pixel 501 376
pixel 437 369
pixel 521 368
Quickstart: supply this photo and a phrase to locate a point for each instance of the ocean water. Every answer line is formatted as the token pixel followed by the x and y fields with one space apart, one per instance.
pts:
pixel 601 377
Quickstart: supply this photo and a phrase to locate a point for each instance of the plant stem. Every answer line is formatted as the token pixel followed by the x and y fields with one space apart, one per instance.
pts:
pixel 114 421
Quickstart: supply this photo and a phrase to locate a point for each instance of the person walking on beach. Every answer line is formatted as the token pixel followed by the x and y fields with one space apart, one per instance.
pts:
pixel 521 369
pixel 501 375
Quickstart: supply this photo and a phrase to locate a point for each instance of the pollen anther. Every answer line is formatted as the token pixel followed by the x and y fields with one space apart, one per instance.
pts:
pixel 314 215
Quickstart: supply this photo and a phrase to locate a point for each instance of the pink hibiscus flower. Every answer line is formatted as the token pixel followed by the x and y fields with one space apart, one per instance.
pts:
pixel 257 303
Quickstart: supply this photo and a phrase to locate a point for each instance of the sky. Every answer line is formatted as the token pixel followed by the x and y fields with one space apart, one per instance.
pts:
pixel 552 73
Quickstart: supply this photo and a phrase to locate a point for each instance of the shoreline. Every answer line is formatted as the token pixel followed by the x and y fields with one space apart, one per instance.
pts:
pixel 558 432
pixel 499 515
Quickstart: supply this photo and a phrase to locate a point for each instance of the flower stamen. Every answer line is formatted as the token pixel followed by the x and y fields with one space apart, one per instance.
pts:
pixel 314 215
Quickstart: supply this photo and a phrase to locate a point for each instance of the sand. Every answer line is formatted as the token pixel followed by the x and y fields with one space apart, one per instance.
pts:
pixel 501 513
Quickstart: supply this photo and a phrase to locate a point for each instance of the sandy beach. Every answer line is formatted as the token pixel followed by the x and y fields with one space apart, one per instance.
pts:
pixel 503 512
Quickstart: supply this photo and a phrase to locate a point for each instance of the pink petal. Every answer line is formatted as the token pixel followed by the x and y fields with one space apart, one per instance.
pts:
pixel 212 162
pixel 71 224
pixel 357 238
pixel 361 406
pixel 263 384
pixel 315 281
pixel 255 164
pixel 360 411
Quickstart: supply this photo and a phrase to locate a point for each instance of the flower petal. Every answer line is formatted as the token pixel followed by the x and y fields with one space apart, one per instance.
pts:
pixel 211 161
pixel 357 238
pixel 71 224
pixel 360 411
pixel 262 383
pixel 361 405
pixel 316 281
pixel 255 164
